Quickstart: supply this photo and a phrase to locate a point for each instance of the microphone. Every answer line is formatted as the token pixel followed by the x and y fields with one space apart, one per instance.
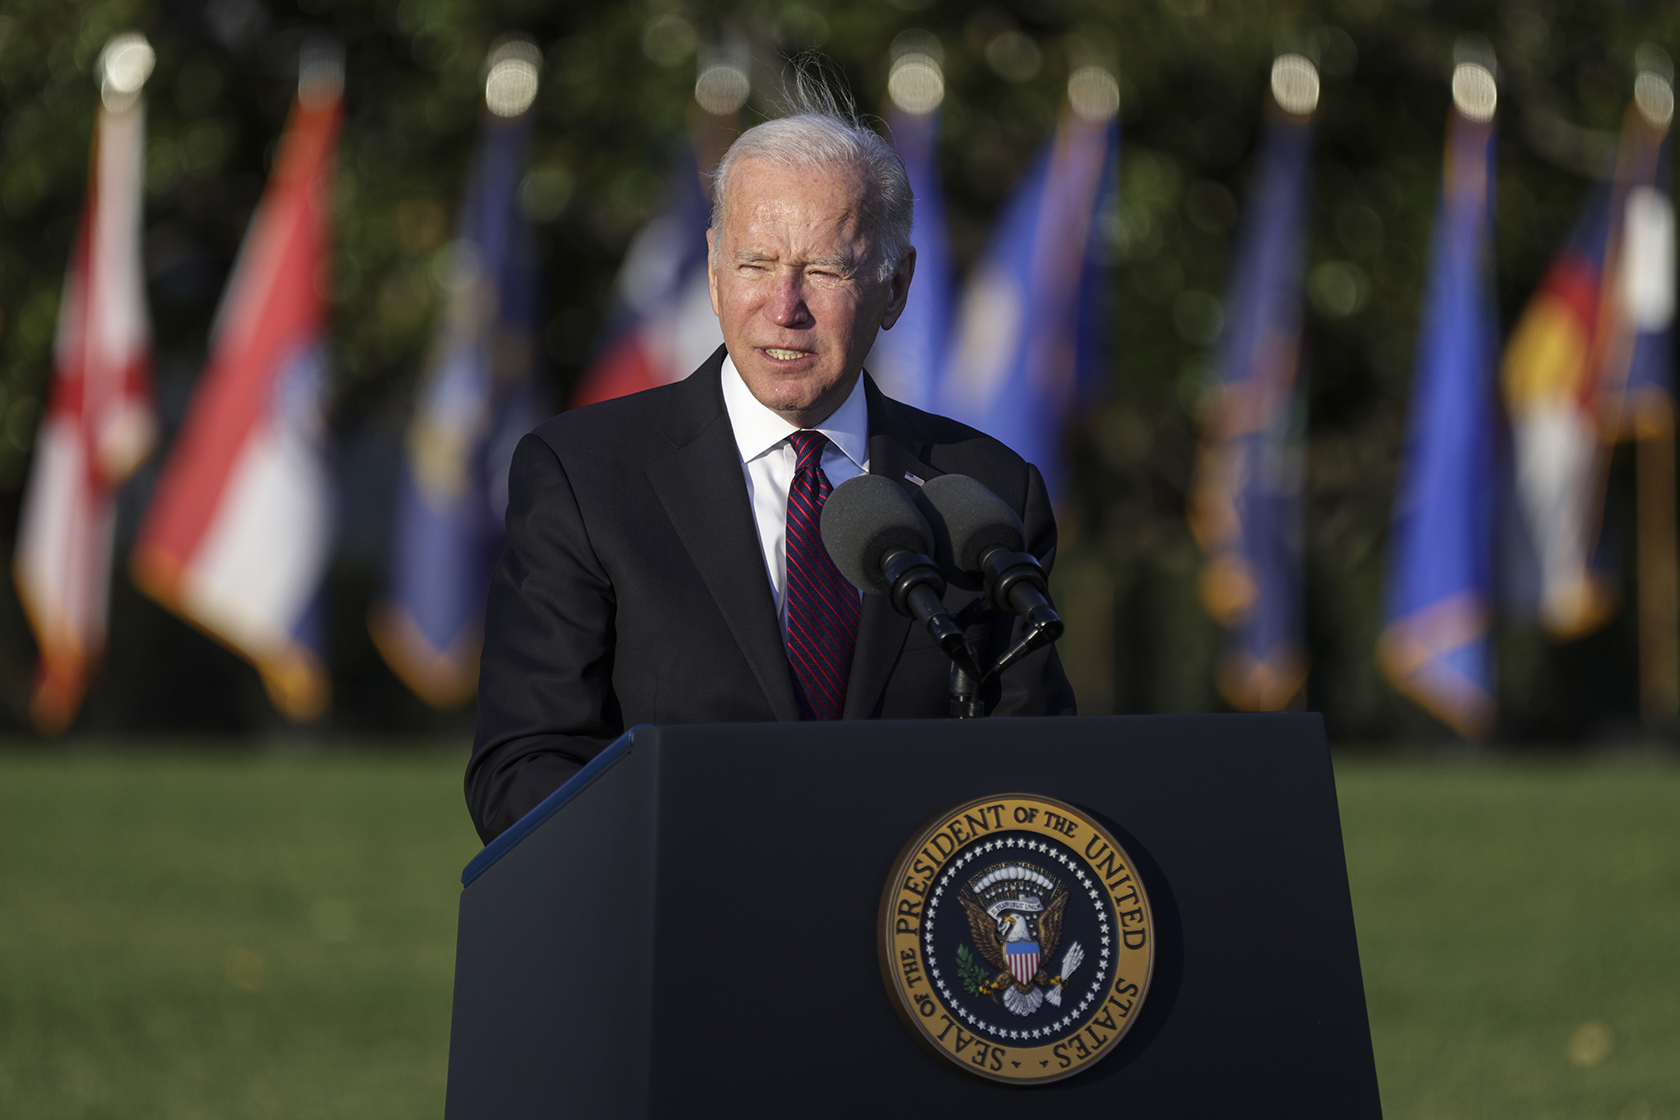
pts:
pixel 979 540
pixel 880 541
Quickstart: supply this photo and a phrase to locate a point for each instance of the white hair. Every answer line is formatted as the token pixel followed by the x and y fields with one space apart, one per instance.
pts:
pixel 821 132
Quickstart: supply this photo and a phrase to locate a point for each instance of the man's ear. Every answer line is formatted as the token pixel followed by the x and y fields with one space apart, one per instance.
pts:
pixel 711 271
pixel 899 289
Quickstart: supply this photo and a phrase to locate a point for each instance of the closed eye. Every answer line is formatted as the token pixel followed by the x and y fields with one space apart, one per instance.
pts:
pixel 748 261
pixel 829 270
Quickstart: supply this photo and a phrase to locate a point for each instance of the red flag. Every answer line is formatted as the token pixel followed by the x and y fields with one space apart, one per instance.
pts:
pixel 98 425
pixel 662 326
pixel 238 534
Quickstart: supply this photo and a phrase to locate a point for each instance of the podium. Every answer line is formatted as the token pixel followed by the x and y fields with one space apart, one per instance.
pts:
pixel 690 924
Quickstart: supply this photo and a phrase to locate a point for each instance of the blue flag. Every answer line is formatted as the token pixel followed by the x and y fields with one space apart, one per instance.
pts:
pixel 477 399
pixel 1436 643
pixel 1027 335
pixel 1245 506
pixel 907 361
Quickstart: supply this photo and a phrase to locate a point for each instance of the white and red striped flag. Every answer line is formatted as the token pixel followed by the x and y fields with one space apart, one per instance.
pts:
pixel 239 531
pixel 1023 959
pixel 98 424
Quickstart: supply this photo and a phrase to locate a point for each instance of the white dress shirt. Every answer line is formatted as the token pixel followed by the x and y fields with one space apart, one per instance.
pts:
pixel 768 460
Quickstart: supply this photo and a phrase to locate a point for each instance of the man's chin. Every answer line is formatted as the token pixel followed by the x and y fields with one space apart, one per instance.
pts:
pixel 790 405
pixel 782 391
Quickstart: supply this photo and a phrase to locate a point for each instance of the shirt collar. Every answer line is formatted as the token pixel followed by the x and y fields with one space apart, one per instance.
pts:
pixel 758 429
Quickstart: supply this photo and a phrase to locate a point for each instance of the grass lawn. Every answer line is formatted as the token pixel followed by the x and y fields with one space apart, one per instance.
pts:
pixel 1519 931
pixel 257 934
pixel 228 935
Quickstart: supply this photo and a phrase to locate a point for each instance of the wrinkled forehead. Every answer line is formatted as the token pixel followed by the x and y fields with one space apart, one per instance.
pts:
pixel 836 188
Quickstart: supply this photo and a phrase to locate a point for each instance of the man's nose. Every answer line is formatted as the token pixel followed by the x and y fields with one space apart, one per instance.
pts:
pixel 787 307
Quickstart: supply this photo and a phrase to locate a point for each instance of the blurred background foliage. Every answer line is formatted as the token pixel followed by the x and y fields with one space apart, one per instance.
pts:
pixel 611 115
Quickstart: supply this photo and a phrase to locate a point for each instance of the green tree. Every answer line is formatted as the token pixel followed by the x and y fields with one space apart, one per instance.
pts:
pixel 611 112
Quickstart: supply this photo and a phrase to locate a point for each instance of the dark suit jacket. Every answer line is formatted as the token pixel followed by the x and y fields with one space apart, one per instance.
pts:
pixel 633 590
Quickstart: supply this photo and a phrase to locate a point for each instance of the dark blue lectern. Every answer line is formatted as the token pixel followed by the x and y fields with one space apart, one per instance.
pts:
pixel 689 926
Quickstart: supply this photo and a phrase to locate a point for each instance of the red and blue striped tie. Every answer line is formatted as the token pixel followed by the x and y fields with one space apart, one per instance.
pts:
pixel 822 608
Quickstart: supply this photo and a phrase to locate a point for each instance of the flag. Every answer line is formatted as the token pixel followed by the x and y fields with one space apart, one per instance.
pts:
pixel 1436 643
pixel 1589 361
pixel 1245 503
pixel 1025 327
pixel 476 401
pixel 661 326
pixel 908 359
pixel 237 537
pixel 1551 398
pixel 98 425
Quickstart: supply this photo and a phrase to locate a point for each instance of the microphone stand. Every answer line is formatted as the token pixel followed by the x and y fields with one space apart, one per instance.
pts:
pixel 1015 579
pixel 965 694
pixel 965 689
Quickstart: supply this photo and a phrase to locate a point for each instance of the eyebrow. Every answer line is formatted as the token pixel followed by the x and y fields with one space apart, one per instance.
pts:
pixel 843 265
pixel 846 266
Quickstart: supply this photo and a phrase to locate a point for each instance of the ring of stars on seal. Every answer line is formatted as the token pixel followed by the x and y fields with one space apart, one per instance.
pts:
pixel 1016 939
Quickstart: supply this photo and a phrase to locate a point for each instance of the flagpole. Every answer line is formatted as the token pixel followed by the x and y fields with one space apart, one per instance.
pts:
pixel 721 88
pixel 1659 622
pixel 1648 297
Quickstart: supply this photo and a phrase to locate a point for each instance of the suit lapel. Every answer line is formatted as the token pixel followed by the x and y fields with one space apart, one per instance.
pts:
pixel 700 485
pixel 893 449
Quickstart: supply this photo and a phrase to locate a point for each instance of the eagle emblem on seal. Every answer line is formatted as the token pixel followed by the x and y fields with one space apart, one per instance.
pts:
pixel 1015 916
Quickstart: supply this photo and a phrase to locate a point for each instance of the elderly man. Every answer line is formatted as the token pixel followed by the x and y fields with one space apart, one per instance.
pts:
pixel 663 562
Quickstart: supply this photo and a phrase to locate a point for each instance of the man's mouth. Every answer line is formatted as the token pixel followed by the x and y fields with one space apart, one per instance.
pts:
pixel 785 355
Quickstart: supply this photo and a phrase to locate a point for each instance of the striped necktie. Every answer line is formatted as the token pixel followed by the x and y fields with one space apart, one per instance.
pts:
pixel 822 608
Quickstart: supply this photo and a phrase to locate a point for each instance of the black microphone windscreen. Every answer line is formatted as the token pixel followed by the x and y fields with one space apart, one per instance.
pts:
pixel 865 518
pixel 967 519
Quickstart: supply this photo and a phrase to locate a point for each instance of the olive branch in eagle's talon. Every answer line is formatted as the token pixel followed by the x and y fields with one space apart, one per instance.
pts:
pixel 974 978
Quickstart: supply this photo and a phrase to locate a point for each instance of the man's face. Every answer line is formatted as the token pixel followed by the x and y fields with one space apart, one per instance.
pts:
pixel 794 285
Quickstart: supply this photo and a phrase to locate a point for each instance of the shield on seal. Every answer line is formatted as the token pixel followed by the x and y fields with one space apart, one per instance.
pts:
pixel 1023 959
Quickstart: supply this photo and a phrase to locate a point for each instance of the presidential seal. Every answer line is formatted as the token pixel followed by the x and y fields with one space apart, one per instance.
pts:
pixel 1015 938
